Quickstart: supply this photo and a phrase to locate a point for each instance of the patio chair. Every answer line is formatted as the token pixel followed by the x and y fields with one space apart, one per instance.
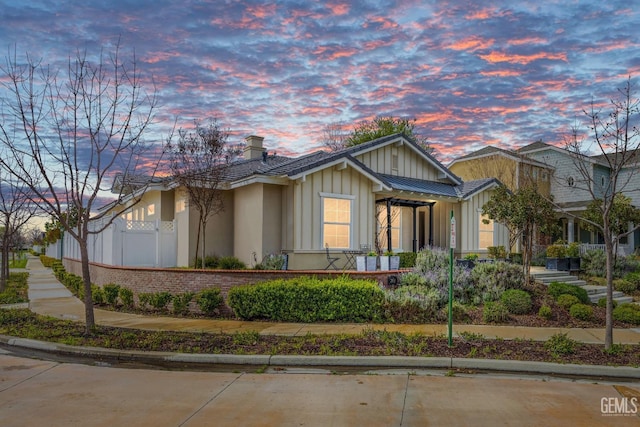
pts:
pixel 331 260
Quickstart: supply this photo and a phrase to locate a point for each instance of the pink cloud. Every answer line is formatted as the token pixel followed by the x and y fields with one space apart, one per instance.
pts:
pixel 496 57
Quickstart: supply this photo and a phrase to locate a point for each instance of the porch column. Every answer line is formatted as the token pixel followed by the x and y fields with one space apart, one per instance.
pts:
pixel 389 242
pixel 431 225
pixel 415 229
pixel 570 237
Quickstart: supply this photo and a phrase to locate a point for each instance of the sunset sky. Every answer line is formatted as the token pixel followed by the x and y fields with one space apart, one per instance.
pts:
pixel 473 73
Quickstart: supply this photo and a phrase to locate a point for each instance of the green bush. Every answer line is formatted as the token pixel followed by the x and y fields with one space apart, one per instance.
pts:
pixel 581 312
pixel 458 310
pixel 633 278
pixel 559 288
pixel 126 296
pixel 160 300
pixel 111 292
pixel 628 313
pixel 545 312
pixel 309 299
pixel 594 264
pixel 492 279
pixel 566 301
pixel 210 261
pixel 494 312
pixel 97 294
pixel 209 300
pixel 624 286
pixel 231 263
pixel 411 304
pixel 144 300
pixel 408 259
pixel 560 345
pixel 602 303
pixel 181 302
pixel 47 261
pixel 516 301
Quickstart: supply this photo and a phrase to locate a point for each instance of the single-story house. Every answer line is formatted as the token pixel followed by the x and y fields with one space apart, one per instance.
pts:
pixel 386 194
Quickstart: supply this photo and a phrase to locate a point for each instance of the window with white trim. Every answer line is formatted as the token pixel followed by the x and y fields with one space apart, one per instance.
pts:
pixel 336 222
pixel 485 232
pixel 151 209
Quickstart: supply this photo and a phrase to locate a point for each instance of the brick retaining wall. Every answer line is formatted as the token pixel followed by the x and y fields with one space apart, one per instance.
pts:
pixel 177 281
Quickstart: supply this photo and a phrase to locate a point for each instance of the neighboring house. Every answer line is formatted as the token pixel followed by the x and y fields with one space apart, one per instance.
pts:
pixel 386 192
pixel 556 172
pixel 511 168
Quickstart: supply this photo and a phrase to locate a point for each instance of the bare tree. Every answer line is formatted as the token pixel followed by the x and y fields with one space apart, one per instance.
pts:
pixel 65 133
pixel 16 210
pixel 334 136
pixel 198 163
pixel 616 136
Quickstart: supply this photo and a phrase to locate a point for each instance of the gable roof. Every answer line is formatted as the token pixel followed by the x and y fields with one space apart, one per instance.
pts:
pixel 495 151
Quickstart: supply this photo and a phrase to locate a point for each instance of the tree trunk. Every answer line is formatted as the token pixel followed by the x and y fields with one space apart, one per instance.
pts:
pixel 4 274
pixel 88 298
pixel 198 248
pixel 204 241
pixel 608 340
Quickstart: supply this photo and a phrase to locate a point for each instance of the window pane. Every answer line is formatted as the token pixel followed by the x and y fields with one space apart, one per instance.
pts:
pixel 337 222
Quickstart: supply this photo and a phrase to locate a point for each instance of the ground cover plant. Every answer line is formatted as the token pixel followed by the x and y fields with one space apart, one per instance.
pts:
pixel 370 342
pixel 16 289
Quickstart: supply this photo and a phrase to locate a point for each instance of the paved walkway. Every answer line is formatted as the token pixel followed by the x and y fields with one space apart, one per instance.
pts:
pixel 48 296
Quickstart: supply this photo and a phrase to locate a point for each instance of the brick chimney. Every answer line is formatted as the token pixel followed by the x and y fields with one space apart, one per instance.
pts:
pixel 253 147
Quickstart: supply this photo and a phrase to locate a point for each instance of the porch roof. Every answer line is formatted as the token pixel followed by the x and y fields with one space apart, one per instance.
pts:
pixel 437 189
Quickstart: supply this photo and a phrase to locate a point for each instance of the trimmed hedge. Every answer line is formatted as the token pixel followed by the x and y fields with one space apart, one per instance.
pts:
pixel 516 301
pixel 629 313
pixel 308 299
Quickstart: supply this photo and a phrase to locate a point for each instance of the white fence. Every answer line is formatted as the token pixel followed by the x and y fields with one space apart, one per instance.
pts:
pixel 127 243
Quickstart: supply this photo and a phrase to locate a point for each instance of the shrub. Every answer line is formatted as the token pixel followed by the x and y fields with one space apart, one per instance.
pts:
pixel 516 301
pixel 560 345
pixel 628 313
pixel 181 302
pixel 408 259
pixel 545 312
pixel 558 288
pixel 231 263
pixel 459 311
pixel 144 300
pixel 209 300
pixel 111 292
pixel 126 296
pixel 557 250
pixel 309 299
pixel 494 312
pixel 602 303
pixel 633 278
pixel 47 261
pixel 412 279
pixel 412 304
pixel 566 301
pixel 581 311
pixel 271 262
pixel 97 294
pixel 160 300
pixel 594 264
pixel 624 286
pixel 210 261
pixel 492 279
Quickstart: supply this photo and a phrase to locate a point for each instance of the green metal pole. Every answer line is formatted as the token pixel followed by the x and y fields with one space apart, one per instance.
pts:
pixel 452 243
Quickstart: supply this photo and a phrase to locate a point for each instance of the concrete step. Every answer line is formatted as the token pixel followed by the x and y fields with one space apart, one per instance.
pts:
pixel 619 297
pixel 567 279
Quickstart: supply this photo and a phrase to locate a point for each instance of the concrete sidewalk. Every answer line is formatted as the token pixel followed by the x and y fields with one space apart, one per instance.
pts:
pixel 49 297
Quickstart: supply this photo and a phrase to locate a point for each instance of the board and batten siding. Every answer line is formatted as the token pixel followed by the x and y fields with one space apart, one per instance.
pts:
pixel 471 211
pixel 308 206
pixel 410 163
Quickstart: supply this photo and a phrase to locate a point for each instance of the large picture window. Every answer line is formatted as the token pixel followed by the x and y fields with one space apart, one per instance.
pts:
pixel 336 222
pixel 485 232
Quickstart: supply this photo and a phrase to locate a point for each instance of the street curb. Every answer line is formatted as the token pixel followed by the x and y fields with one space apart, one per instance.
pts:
pixel 515 366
